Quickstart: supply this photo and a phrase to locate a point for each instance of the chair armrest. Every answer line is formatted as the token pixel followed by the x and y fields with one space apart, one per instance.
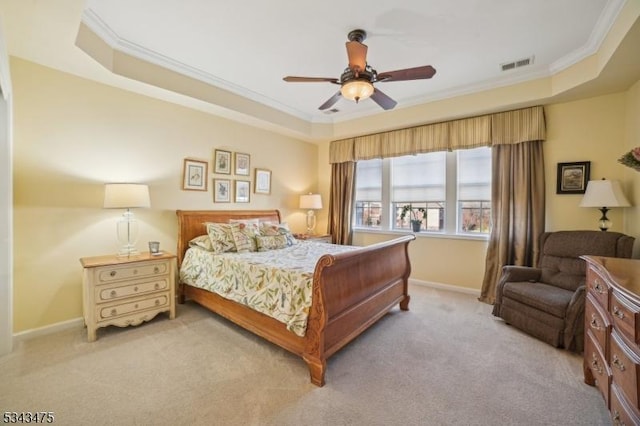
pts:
pixel 574 321
pixel 511 273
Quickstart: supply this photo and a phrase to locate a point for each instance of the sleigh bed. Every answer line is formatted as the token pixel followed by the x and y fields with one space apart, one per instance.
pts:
pixel 350 291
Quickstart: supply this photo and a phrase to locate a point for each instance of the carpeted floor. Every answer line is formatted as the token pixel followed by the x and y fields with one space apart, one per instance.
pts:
pixel 447 361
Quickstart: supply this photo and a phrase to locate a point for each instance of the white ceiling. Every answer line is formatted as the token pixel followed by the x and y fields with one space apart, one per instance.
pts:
pixel 247 46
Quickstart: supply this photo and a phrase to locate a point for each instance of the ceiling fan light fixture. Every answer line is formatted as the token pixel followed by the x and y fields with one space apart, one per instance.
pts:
pixel 357 90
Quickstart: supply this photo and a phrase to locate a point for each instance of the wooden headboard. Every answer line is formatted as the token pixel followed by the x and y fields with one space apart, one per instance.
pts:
pixel 191 223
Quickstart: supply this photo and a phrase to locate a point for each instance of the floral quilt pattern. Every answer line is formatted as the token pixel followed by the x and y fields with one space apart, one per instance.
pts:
pixel 277 283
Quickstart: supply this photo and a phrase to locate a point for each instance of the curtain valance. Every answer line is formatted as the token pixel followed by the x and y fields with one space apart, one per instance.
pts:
pixel 509 127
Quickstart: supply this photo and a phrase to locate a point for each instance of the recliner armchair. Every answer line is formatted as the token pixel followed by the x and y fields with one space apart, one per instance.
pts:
pixel 547 301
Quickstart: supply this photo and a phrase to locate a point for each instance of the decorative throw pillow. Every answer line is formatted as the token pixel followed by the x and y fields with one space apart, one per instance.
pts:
pixel 202 241
pixel 244 236
pixel 271 229
pixel 271 242
pixel 221 237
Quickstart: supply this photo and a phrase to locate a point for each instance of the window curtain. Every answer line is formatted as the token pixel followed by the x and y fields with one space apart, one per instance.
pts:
pixel 517 209
pixel 343 178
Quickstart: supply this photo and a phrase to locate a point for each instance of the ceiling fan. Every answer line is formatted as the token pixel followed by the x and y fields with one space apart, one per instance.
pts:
pixel 357 79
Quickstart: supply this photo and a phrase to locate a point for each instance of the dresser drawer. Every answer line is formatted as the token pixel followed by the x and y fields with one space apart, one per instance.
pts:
pixel 625 368
pixel 115 311
pixel 597 321
pixel 625 316
pixel 622 413
pixel 595 361
pixel 129 271
pixel 109 293
pixel 598 287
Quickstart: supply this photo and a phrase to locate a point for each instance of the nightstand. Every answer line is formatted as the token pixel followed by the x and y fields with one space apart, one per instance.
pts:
pixel 318 238
pixel 127 291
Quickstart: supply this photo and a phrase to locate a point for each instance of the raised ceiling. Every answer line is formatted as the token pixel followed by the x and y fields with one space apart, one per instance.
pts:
pixel 231 56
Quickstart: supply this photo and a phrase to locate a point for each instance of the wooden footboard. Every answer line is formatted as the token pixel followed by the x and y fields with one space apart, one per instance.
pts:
pixel 351 291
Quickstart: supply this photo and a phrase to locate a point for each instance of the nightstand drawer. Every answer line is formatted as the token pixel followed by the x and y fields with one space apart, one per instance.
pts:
pixel 114 311
pixel 595 360
pixel 141 270
pixel 625 367
pixel 118 291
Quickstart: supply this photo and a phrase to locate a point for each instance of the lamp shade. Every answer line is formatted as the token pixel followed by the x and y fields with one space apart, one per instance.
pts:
pixel 126 195
pixel 604 193
pixel 311 202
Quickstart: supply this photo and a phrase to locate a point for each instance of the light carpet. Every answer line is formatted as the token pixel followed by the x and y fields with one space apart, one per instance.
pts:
pixel 447 361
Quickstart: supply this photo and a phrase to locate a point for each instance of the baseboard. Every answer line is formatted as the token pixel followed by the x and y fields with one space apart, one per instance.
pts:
pixel 49 329
pixel 447 287
pixel 79 322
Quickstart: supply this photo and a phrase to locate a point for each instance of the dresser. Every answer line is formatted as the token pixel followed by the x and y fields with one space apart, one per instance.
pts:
pixel 612 335
pixel 125 291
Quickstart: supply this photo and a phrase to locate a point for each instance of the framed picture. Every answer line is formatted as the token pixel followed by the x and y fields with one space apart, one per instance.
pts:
pixel 222 162
pixel 242 191
pixel 194 175
pixel 242 164
pixel 221 191
pixel 262 184
pixel 573 177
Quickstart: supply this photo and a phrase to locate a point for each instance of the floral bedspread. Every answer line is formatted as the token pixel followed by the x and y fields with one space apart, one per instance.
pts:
pixel 277 283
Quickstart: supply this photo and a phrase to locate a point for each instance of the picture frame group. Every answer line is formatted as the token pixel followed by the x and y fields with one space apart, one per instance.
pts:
pixel 226 190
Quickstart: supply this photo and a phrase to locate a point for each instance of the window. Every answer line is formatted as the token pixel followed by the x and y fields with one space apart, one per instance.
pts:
pixel 449 192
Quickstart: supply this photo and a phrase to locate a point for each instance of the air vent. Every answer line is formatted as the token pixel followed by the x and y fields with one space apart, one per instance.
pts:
pixel 516 64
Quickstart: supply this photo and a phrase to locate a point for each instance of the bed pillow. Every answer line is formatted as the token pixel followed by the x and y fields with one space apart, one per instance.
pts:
pixel 271 242
pixel 202 242
pixel 244 236
pixel 221 237
pixel 273 228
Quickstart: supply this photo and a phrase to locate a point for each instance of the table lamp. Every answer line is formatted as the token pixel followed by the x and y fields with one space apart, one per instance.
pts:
pixel 311 202
pixel 604 194
pixel 126 196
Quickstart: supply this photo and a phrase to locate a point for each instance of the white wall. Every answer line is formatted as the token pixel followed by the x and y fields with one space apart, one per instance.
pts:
pixel 6 182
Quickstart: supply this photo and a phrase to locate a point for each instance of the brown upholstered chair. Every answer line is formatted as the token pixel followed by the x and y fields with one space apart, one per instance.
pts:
pixel 547 302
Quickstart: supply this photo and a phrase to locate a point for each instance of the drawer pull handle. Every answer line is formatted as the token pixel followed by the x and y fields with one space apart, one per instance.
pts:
pixel 135 272
pixel 135 306
pixel 598 287
pixel 114 312
pixel 157 286
pixel 113 293
pixel 616 419
pixel 112 273
pixel 618 313
pixel 595 364
pixel 135 288
pixel 617 363
pixel 156 270
pixel 594 323
pixel 157 302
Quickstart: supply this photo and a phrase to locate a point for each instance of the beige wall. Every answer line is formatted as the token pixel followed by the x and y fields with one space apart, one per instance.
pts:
pixel 73 135
pixel 632 140
pixel 586 130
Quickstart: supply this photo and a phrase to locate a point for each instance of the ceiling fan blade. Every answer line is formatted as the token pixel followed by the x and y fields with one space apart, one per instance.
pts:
pixel 383 100
pixel 357 53
pixel 293 79
pixel 417 73
pixel 331 101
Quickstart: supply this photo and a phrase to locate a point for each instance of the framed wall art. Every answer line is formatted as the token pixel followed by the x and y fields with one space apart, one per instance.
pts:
pixel 221 191
pixel 222 162
pixel 573 177
pixel 194 175
pixel 242 164
pixel 242 191
pixel 262 181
